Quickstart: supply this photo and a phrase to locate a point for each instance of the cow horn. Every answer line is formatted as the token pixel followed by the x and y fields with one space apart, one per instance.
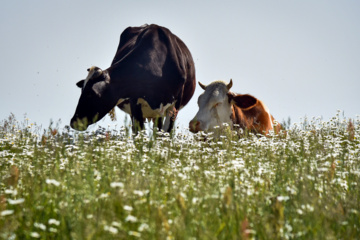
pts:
pixel 230 84
pixel 202 85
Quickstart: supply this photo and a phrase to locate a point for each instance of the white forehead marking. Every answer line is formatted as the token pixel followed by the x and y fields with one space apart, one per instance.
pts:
pixel 92 70
pixel 216 93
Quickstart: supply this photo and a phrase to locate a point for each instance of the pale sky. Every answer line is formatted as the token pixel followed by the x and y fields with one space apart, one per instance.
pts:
pixel 301 58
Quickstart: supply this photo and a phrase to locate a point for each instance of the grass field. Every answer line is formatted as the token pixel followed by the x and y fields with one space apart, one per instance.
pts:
pixel 59 184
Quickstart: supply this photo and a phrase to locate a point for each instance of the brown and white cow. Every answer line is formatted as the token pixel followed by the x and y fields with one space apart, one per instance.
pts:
pixel 218 105
pixel 152 76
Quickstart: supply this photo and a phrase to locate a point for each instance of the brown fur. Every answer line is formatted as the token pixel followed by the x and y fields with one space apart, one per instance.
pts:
pixel 255 118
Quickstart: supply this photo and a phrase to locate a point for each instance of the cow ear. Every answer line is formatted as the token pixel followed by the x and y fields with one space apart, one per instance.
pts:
pixel 244 101
pixel 80 83
pixel 202 85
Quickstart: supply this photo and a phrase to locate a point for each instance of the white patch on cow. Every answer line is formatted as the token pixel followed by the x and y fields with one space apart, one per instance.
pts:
pixel 148 112
pixel 216 93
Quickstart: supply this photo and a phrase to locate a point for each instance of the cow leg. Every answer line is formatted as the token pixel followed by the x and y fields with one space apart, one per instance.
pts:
pixel 171 119
pixel 166 122
pixel 136 116
pixel 158 123
pixel 172 114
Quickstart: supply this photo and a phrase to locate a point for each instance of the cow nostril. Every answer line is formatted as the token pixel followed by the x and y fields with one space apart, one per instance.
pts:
pixel 194 126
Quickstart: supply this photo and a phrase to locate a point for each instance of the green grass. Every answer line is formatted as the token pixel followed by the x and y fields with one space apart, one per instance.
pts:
pixel 59 184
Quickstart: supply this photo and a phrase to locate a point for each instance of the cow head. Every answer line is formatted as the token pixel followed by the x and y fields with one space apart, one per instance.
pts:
pixel 94 101
pixel 215 106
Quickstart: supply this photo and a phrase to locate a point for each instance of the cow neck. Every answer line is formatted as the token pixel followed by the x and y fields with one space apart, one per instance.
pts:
pixel 237 117
pixel 120 87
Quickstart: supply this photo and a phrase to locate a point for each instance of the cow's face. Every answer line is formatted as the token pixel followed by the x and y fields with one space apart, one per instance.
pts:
pixel 214 107
pixel 94 101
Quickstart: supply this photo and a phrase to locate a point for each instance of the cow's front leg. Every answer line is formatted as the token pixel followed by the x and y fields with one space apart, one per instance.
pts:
pixel 171 115
pixel 170 119
pixel 158 123
pixel 136 116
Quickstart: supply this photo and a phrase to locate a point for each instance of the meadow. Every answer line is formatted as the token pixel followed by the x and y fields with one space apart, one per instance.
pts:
pixel 107 184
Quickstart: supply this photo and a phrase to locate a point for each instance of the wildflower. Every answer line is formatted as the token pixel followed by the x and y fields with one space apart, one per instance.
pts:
pixel 282 198
pixel 130 218
pixel 194 200
pixel 15 202
pixel 54 222
pixel 291 190
pixel 354 211
pixel 355 172
pixel 116 224
pixel 111 229
pixel 97 175
pixel 53 182
pixel 140 193
pixel 143 227
pixel 128 208
pixel 6 212
pixel 322 169
pixel 104 195
pixel 40 226
pixel 308 207
pixel 34 235
pixel 117 184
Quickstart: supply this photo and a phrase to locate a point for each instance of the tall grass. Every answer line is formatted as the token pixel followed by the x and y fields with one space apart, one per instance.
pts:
pixel 60 184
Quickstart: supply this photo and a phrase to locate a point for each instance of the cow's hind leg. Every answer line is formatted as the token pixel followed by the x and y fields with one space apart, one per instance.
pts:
pixel 136 116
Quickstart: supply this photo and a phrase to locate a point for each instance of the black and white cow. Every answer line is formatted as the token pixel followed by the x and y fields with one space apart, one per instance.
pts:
pixel 151 76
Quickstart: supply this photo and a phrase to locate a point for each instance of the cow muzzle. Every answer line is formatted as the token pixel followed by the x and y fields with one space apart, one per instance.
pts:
pixel 79 124
pixel 195 126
